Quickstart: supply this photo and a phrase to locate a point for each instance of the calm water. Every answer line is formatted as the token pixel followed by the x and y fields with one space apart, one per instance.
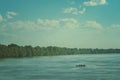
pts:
pixel 98 67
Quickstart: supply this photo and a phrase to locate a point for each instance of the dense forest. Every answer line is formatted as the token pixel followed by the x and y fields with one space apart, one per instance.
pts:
pixel 14 50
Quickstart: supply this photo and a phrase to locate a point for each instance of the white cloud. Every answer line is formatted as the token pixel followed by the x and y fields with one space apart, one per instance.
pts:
pixel 58 23
pixel 71 10
pixel 5 34
pixel 82 11
pixel 42 24
pixel 69 22
pixel 74 10
pixel 11 14
pixel 93 25
pixel 72 2
pixel 23 25
pixel 1 18
pixel 115 27
pixel 47 22
pixel 95 2
pixel 83 6
pixel 51 24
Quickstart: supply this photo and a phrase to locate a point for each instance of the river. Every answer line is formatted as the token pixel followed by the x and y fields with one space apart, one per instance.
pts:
pixel 98 67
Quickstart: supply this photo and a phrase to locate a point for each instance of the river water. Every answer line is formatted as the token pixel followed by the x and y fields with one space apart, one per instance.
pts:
pixel 98 67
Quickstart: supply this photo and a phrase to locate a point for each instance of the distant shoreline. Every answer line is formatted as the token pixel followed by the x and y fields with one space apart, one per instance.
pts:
pixel 16 51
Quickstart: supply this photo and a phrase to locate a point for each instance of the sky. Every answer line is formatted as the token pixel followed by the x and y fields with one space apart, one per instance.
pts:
pixel 62 23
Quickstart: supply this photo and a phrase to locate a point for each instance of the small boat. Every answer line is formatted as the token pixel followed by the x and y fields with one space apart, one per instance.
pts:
pixel 81 65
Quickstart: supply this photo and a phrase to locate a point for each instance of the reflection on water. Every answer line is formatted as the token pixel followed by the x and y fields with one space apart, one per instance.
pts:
pixel 98 67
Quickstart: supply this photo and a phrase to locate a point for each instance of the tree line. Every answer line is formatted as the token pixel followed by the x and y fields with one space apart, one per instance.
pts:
pixel 14 50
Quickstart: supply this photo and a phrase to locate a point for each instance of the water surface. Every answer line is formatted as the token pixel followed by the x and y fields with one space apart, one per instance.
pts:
pixel 98 67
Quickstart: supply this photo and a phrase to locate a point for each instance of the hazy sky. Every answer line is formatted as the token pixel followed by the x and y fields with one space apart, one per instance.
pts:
pixel 64 23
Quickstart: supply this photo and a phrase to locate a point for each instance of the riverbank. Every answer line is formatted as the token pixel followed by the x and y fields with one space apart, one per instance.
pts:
pixel 16 51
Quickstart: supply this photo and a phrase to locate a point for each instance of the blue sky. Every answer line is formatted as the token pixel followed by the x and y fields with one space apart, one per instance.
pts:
pixel 64 23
